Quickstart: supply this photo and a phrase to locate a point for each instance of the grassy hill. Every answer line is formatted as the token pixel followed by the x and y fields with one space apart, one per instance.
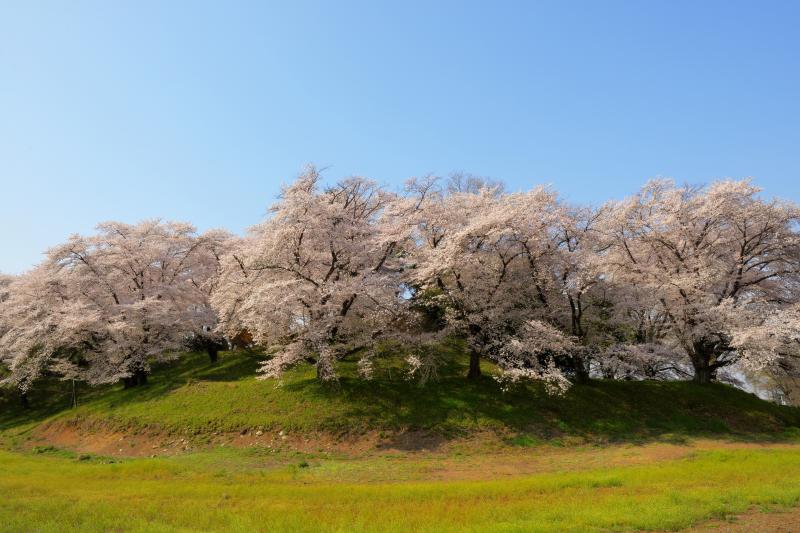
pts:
pixel 197 398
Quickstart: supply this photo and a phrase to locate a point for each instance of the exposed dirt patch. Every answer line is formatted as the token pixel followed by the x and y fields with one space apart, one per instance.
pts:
pixel 104 442
pixel 88 437
pixel 415 441
pixel 754 521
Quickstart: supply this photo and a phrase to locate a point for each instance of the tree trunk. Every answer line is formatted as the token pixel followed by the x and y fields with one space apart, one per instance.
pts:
pixel 213 353
pixel 139 377
pixel 703 373
pixel 325 364
pixel 581 369
pixel 74 395
pixel 474 365
pixel 23 400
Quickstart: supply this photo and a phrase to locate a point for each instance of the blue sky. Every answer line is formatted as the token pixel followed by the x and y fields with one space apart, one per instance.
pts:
pixel 199 111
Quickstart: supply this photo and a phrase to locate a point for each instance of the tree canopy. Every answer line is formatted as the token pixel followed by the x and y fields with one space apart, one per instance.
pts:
pixel 674 282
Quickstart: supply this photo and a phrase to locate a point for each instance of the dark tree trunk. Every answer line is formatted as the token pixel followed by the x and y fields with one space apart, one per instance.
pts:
pixel 23 400
pixel 704 371
pixel 474 365
pixel 475 341
pixel 213 353
pixel 139 377
pixel 581 369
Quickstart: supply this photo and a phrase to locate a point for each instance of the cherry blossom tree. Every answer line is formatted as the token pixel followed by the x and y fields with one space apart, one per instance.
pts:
pixel 43 330
pixel 5 321
pixel 765 336
pixel 5 293
pixel 768 342
pixel 316 275
pixel 570 284
pixel 472 257
pixel 696 250
pixel 641 360
pixel 131 294
pixel 207 271
pixel 529 355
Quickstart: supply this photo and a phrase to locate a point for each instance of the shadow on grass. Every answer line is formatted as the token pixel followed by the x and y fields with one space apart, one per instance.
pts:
pixel 601 411
pixel 422 417
pixel 51 396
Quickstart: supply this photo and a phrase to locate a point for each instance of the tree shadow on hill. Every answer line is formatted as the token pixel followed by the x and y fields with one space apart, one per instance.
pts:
pixel 193 368
pixel 602 411
pixel 52 396
pixel 49 399
pixel 232 366
pixel 423 417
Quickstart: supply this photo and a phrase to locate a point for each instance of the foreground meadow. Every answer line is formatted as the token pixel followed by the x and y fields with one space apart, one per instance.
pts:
pixel 651 487
pixel 207 447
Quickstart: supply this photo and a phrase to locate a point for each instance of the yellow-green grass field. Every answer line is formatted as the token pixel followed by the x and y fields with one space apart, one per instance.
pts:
pixel 202 492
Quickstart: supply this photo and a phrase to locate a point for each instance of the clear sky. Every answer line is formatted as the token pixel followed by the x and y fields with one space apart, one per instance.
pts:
pixel 199 111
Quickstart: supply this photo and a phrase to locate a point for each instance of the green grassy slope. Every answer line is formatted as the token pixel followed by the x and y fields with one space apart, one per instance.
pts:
pixel 196 397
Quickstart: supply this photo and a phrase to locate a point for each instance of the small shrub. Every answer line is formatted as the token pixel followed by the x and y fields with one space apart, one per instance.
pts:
pixel 45 449
pixel 524 441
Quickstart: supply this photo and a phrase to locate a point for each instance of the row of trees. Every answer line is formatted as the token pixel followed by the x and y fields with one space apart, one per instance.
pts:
pixel 674 282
